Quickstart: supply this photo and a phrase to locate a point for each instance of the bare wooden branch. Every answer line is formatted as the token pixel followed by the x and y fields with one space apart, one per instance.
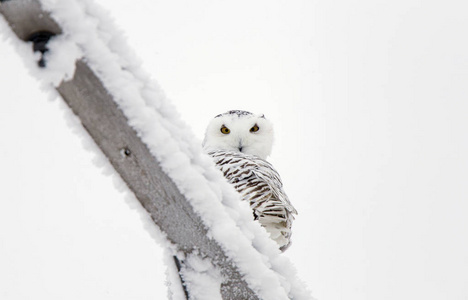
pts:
pixel 107 125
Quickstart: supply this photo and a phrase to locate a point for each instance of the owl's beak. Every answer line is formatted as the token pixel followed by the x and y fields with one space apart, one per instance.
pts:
pixel 240 147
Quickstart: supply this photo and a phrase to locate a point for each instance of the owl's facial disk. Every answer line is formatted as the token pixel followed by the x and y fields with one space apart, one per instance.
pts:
pixel 249 134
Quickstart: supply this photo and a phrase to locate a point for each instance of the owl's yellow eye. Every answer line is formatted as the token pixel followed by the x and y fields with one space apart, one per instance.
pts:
pixel 255 128
pixel 225 130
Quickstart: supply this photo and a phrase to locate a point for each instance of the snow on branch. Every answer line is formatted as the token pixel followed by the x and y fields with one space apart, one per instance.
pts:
pixel 82 57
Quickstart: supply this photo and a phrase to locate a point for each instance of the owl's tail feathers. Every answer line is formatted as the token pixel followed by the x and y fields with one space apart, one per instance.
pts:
pixel 279 231
pixel 277 220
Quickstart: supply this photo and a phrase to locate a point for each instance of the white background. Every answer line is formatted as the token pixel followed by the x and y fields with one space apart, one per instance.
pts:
pixel 369 101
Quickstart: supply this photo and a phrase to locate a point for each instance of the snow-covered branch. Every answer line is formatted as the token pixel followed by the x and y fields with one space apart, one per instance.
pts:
pixel 87 63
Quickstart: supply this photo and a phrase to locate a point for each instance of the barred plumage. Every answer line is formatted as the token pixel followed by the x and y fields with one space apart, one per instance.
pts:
pixel 259 184
pixel 239 142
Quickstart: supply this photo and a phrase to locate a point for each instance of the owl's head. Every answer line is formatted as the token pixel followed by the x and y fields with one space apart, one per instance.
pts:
pixel 240 131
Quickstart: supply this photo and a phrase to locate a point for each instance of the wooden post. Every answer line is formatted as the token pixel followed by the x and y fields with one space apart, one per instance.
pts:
pixel 130 157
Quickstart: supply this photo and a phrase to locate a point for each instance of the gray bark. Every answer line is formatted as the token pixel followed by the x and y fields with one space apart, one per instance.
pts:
pixel 130 157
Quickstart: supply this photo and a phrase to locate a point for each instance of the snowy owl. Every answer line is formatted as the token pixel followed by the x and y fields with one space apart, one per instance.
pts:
pixel 239 142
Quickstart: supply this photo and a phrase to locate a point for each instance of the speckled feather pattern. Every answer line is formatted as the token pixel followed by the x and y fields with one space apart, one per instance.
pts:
pixel 259 184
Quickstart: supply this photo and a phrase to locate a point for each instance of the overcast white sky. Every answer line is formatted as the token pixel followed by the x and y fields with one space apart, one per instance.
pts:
pixel 369 102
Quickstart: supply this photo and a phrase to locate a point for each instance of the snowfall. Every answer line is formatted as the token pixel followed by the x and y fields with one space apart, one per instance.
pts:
pixel 369 103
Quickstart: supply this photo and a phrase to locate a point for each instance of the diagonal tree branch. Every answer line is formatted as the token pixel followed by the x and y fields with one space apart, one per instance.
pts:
pixel 130 157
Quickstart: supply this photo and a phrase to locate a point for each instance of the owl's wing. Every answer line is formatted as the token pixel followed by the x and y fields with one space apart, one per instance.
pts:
pixel 259 183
